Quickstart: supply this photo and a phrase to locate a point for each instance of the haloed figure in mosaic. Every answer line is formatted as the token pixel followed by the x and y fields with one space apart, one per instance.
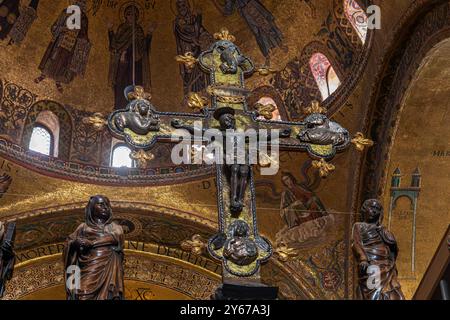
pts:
pixel 375 250
pixel 67 54
pixel 123 59
pixel 96 248
pixel 191 36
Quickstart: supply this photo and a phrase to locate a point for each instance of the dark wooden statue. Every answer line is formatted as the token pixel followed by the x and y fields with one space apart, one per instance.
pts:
pixel 95 250
pixel 375 250
pixel 7 256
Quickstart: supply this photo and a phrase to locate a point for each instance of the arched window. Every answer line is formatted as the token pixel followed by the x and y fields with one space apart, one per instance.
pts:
pixel 357 17
pixel 45 135
pixel 42 140
pixel 326 78
pixel 265 101
pixel 121 157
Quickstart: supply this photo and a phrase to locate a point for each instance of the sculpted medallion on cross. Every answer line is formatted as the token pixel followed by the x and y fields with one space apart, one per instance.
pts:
pixel 238 243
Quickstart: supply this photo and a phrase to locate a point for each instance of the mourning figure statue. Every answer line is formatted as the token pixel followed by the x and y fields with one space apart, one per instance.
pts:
pixel 96 248
pixel 238 247
pixel 321 131
pixel 123 59
pixel 375 250
pixel 191 36
pixel 67 54
pixel 7 255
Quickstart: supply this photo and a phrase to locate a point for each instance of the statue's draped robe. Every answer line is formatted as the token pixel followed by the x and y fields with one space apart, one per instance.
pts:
pixel 9 13
pixel 378 247
pixel 7 261
pixel 260 21
pixel 121 70
pixel 191 36
pixel 67 54
pixel 102 276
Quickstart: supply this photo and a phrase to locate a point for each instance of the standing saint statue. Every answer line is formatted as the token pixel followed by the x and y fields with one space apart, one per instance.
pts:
pixel 191 36
pixel 96 250
pixel 122 57
pixel 260 21
pixel 375 250
pixel 7 255
pixel 68 52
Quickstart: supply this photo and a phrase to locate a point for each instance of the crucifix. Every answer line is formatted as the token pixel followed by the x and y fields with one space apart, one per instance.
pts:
pixel 238 244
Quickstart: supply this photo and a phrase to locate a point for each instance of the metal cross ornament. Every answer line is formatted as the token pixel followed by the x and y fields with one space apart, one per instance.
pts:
pixel 238 243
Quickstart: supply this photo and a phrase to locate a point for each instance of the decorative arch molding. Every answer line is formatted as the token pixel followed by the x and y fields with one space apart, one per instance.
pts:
pixel 65 125
pixel 47 273
pixel 296 84
pixel 154 234
pixel 430 24
pixel 102 175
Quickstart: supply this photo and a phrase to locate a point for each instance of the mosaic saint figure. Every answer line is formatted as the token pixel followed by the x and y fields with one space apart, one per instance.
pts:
pixel 191 36
pixel 260 21
pixel 122 58
pixel 96 248
pixel 68 52
pixel 375 250
pixel 306 218
pixel 9 13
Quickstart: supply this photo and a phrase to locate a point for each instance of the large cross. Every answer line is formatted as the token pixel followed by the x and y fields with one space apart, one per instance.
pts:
pixel 238 243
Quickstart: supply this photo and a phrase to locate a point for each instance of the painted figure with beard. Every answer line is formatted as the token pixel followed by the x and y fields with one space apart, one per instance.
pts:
pixel 375 250
pixel 305 216
pixel 121 49
pixel 191 36
pixel 96 248
pixel 260 21
pixel 67 54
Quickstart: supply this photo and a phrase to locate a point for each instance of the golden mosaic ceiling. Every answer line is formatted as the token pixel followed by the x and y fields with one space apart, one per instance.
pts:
pixel 19 64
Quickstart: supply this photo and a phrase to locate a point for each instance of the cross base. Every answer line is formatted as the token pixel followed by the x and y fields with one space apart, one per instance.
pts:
pixel 245 292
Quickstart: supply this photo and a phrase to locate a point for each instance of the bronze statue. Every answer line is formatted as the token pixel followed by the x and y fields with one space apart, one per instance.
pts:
pixel 7 256
pixel 375 250
pixel 239 248
pixel 96 248
pixel 320 130
pixel 140 117
pixel 230 60
pixel 239 173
